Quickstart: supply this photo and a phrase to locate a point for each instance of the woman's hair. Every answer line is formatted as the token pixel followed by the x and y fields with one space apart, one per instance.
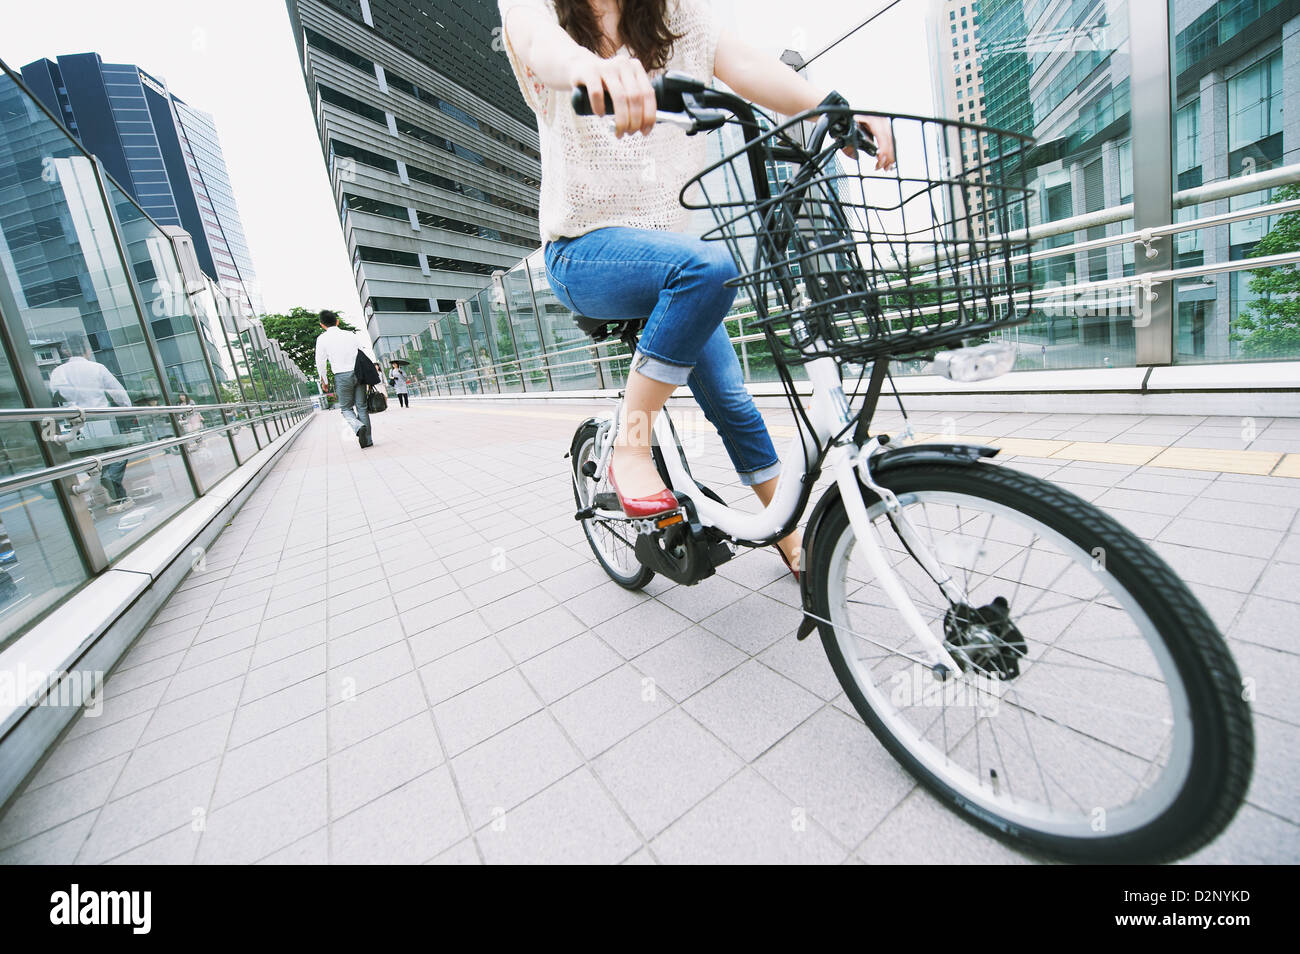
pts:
pixel 643 26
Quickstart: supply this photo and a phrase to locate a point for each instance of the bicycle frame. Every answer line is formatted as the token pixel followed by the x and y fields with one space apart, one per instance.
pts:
pixel 849 463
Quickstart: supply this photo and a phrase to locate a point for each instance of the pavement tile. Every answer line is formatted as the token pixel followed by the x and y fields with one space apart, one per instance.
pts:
pixel 270 758
pixel 481 712
pixel 179 801
pixel 570 665
pixel 747 821
pixel 409 825
pixel 257 717
pixel 512 766
pixel 572 822
pixel 267 820
pixel 751 708
pixel 463 669
pixel 662 770
pixel 37 810
pixel 608 710
pixel 689 661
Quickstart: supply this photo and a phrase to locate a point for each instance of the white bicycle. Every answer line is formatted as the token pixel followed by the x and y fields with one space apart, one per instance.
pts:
pixel 1028 659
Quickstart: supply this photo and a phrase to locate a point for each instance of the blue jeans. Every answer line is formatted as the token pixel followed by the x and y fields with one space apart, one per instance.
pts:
pixel 350 393
pixel 678 281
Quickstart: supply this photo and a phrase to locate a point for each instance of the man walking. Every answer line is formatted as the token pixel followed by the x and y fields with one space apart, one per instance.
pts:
pixel 339 349
pixel 82 381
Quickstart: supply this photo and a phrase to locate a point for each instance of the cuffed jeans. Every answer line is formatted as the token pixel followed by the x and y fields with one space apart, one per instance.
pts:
pixel 350 393
pixel 679 282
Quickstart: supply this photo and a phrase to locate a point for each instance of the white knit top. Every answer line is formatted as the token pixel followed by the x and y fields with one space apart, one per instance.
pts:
pixel 590 178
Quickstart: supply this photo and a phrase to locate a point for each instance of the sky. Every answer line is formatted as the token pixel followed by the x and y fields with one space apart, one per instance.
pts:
pixel 236 59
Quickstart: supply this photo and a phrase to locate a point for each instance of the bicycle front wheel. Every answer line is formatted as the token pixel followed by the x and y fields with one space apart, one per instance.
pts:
pixel 1098 715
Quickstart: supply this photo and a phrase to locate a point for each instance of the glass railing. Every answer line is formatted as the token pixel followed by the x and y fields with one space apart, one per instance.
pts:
pixel 1079 321
pixel 126 390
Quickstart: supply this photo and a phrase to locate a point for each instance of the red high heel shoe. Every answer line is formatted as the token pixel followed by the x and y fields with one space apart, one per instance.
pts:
pixel 638 507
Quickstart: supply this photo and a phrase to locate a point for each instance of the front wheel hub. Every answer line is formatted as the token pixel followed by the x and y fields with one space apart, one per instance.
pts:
pixel 984 639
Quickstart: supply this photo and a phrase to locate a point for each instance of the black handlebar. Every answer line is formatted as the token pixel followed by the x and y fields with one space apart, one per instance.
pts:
pixel 677 92
pixel 668 93
pixel 582 101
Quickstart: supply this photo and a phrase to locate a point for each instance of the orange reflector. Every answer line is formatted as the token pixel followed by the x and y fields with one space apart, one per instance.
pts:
pixel 669 520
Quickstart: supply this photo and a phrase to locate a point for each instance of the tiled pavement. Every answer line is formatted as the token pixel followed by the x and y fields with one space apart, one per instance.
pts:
pixel 408 655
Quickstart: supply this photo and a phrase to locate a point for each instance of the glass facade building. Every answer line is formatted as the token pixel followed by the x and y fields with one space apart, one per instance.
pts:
pixel 432 154
pixel 1237 113
pixel 164 152
pixel 130 383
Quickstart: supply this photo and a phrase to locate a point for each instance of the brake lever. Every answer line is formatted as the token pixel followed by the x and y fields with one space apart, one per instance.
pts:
pixel 698 121
pixel 679 120
pixel 859 138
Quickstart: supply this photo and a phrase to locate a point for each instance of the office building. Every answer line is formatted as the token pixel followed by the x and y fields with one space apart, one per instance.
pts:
pixel 162 151
pixel 432 153
pixel 959 93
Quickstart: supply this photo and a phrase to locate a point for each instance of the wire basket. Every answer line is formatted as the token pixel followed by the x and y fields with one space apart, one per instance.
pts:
pixel 839 258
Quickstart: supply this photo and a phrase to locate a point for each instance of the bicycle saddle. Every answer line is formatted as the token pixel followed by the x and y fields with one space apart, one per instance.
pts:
pixel 601 328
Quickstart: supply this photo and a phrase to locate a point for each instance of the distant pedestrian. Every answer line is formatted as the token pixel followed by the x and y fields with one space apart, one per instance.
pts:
pixel 82 381
pixel 338 349
pixel 397 380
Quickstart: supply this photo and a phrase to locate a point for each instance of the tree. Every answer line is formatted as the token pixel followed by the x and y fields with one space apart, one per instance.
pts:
pixel 296 334
pixel 1270 325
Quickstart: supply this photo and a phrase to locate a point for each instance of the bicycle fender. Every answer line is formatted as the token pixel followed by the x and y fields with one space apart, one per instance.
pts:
pixel 964 454
pixel 573 444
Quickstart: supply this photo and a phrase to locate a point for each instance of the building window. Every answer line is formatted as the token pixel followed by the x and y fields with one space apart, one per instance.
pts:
pixel 1255 104
pixel 441 142
pixel 339 52
pixel 1254 144
pixel 1126 171
pixel 363 203
pixel 351 105
pixel 400 304
pixel 1187 145
pixel 363 156
pixel 387 256
pixel 434 221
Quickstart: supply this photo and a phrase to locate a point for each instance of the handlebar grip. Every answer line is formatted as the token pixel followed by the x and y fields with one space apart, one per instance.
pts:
pixel 582 99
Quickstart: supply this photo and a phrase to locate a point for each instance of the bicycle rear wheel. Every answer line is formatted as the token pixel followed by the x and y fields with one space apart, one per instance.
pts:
pixel 1099 716
pixel 612 543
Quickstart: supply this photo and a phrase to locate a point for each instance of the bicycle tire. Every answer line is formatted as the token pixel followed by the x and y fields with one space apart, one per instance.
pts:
pixel 1222 752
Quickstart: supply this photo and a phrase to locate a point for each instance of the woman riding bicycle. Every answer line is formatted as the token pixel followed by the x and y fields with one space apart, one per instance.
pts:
pixel 612 223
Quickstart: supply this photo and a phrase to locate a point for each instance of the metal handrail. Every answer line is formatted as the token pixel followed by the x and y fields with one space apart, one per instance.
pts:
pixel 1144 237
pixel 1212 192
pixel 94 462
pixel 74 412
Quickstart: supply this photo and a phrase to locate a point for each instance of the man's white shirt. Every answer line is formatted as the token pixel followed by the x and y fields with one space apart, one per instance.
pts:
pixel 339 349
pixel 87 383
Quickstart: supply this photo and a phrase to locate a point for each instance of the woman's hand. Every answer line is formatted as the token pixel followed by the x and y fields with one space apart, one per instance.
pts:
pixel 878 128
pixel 622 81
pixel 883 134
